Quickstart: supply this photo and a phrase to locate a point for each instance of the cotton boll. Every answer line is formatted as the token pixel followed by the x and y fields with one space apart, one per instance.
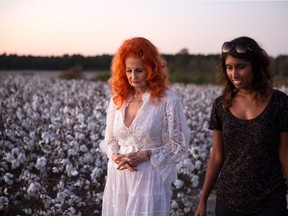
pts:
pixel 178 183
pixel 6 191
pixel 53 127
pixel 91 126
pixel 195 181
pixel 87 158
pixel 74 199
pixel 74 172
pixel 83 148
pixel 8 178
pixel 15 163
pixel 81 117
pixel 198 164
pixel 22 157
pixel 72 152
pixel 20 115
pixel 64 161
pixel 55 170
pixel 187 163
pixel 195 152
pixel 69 168
pixel 4 202
pixel 57 208
pixel 29 145
pixel 95 173
pixel 87 185
pixel 74 143
pixel 15 151
pixel 69 121
pixel 36 116
pixel 41 163
pixel 66 110
pixel 33 189
pixel 72 211
pixel 28 211
pixel 25 175
pixel 94 137
pixel 203 155
pixel 98 114
pixel 46 137
pixel 47 201
pixel 4 165
pixel 81 136
pixel 82 126
pixel 71 171
pixel 79 184
pixel 9 157
pixel 61 197
pixel 174 205
pixel 60 185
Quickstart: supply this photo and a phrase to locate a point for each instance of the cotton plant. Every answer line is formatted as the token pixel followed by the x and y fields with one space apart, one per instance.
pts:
pixel 51 161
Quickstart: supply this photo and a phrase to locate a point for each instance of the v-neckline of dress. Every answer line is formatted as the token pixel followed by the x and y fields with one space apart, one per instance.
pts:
pixel 144 98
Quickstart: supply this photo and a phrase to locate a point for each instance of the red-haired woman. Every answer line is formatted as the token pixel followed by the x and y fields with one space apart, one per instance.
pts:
pixel 146 133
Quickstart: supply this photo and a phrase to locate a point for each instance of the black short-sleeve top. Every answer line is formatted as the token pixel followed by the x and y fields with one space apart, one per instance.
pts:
pixel 251 172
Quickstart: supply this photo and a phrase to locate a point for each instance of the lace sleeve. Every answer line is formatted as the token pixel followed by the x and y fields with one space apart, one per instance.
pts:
pixel 175 135
pixel 110 144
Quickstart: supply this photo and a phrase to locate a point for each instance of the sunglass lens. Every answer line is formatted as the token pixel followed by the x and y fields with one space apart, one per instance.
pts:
pixel 227 47
pixel 241 48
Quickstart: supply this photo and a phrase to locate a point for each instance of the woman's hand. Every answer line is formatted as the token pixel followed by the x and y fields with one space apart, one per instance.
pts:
pixel 131 160
pixel 201 209
pixel 122 160
pixel 136 158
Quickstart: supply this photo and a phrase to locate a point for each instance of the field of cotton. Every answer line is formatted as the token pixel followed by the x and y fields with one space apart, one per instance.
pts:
pixel 50 161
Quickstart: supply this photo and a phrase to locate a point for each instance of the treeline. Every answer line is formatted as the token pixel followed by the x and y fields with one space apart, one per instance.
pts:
pixel 183 66
pixel 15 62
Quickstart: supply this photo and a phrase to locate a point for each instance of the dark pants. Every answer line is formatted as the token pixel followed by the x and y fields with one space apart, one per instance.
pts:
pixel 272 209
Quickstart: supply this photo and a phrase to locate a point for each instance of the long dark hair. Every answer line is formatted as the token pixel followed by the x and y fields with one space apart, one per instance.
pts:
pixel 260 61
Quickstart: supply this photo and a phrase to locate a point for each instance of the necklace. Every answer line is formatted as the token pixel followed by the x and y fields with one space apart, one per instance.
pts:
pixel 138 99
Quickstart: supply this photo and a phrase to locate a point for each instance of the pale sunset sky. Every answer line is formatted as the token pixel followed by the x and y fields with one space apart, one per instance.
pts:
pixel 96 27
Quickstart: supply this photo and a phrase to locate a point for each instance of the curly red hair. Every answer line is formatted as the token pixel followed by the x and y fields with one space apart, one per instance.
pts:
pixel 153 63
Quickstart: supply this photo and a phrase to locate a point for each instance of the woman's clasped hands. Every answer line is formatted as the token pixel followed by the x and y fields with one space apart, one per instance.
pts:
pixel 131 160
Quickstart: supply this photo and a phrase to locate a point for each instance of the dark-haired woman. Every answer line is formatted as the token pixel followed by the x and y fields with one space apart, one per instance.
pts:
pixel 250 137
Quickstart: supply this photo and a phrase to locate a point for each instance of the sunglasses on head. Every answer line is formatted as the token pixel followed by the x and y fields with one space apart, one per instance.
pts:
pixel 238 47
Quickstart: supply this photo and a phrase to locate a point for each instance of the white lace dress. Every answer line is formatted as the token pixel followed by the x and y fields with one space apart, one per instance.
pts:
pixel 162 128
